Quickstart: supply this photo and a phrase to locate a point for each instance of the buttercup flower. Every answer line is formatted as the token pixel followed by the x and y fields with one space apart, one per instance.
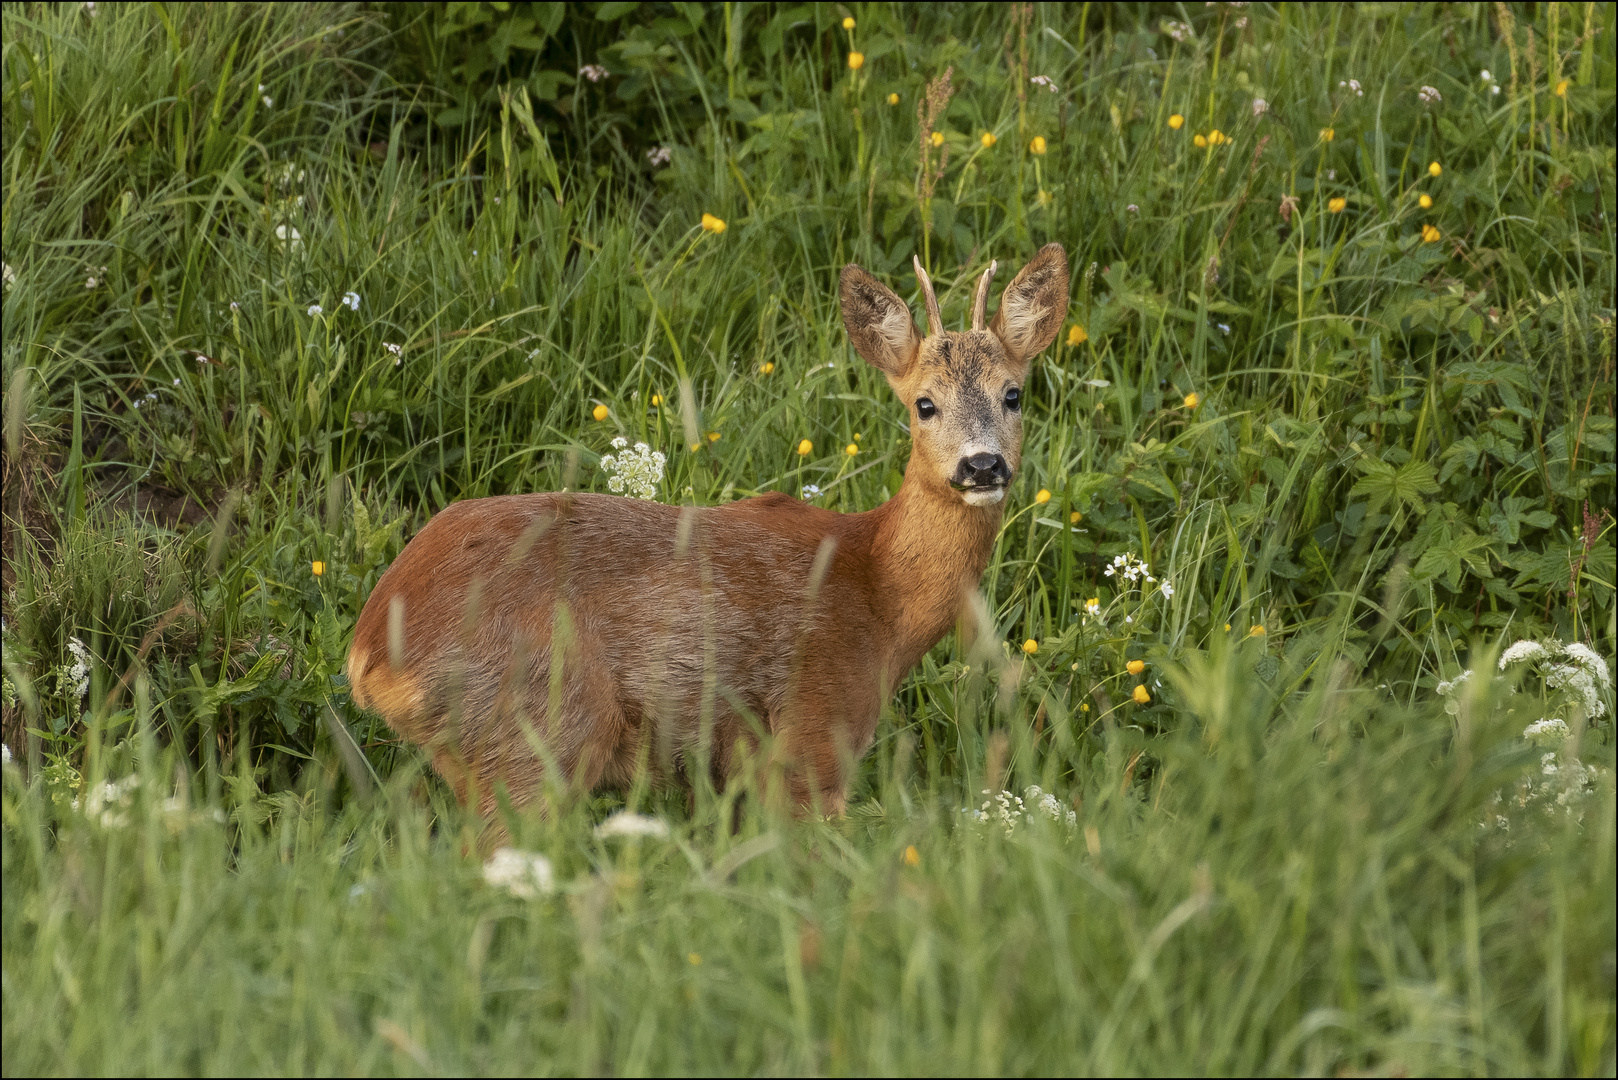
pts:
pixel 1199 140
pixel 1076 335
pixel 600 412
pixel 1141 695
pixel 1336 205
pixel 317 568
pixel 766 367
pixel 1192 400
pixel 912 856
pixel 937 138
pixel 1135 667
pixel 1257 631
pixel 805 448
pixel 1561 88
pixel 856 60
pixel 1215 137
pixel 1435 169
pixel 848 22
pixel 713 436
pixel 1030 646
pixel 1425 202
pixel 712 224
pixel 893 99
pixel 988 139
pixel 1043 497
pixel 1176 122
pixel 1038 145
pixel 851 449
pixel 1075 517
pixel 1430 234
pixel 1327 134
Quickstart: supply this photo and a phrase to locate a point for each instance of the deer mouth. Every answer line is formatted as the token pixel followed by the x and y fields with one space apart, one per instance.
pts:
pixel 980 494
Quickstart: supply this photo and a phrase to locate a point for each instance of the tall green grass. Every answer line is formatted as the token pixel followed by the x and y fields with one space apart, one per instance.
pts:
pixel 1400 451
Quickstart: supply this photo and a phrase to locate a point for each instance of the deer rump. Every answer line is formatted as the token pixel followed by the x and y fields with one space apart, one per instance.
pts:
pixel 604 632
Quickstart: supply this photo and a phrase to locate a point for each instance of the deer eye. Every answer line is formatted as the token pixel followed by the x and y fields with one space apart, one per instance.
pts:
pixel 925 408
pixel 1014 399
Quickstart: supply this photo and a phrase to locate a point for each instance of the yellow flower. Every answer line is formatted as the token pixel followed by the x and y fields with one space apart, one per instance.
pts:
pixel 713 224
pixel 1076 335
pixel 1038 145
pixel 893 99
pixel 1176 121
pixel 805 448
pixel 1425 202
pixel 766 367
pixel 912 856
pixel 694 958
pixel 856 60
pixel 848 22
pixel 1257 631
pixel 1327 134
pixel 938 138
pixel 1227 626
pixel 1135 667
pixel 1043 497
pixel 317 568
pixel 856 436
pixel 1215 137
pixel 1429 234
pixel 988 139
pixel 600 412
pixel 1192 400
pixel 1141 695
pixel 1435 169
pixel 851 449
pixel 1030 646
pixel 657 399
pixel 1085 707
pixel 713 436
pixel 1075 517
pixel 1336 205
pixel 1561 88
pixel 1199 140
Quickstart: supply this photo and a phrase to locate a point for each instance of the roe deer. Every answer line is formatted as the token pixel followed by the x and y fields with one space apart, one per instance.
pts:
pixel 596 635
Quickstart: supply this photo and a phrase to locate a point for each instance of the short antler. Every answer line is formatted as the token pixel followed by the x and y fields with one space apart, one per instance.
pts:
pixel 935 324
pixel 980 303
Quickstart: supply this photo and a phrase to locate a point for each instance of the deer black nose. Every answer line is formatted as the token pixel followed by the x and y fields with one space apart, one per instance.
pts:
pixel 982 470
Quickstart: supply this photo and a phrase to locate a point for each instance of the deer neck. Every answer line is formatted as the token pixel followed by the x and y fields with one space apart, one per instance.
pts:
pixel 932 549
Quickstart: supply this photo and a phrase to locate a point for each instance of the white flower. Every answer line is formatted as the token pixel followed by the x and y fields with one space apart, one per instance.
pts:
pixel 1132 208
pixel 524 874
pixel 811 491
pixel 1224 327
pixel 234 306
pixel 90 8
pixel 625 823
pixel 269 102
pixel 1045 81
pixel 1429 95
pixel 5 754
pixel 90 282
pixel 1179 31
pixel 1589 659
pixel 1495 89
pixel 316 309
pixel 1166 589
pixel 1522 650
pixel 639 471
pixel 8 276
pixel 659 155
pixel 1485 76
pixel 1260 106
pixel 594 72
pixel 1546 732
pixel 352 299
pixel 290 238
pixel 1352 86
pixel 77 675
pixel 392 348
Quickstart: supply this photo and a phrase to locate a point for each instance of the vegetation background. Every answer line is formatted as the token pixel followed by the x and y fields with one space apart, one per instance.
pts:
pixel 281 281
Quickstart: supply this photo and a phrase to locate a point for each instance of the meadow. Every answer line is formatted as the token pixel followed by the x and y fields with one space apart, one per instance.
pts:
pixel 1291 750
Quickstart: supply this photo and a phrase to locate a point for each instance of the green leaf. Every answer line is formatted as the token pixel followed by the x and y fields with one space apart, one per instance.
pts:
pixel 1407 484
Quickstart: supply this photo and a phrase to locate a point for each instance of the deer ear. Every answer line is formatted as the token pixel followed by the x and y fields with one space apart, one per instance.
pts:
pixel 1033 306
pixel 878 322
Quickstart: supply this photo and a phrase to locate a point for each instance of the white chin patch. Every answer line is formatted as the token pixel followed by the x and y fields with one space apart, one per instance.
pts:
pixel 985 497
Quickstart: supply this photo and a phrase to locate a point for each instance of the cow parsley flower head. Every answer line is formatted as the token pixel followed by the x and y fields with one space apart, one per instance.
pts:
pixel 1547 732
pixel 1044 80
pixel 1260 106
pixel 1352 86
pixel 523 874
pixel 1429 95
pixel 594 72
pixel 628 824
pixel 1008 809
pixel 1522 650
pixel 637 471
pixel 659 155
pixel 76 676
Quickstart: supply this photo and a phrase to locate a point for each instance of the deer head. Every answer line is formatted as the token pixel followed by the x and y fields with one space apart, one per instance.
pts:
pixel 964 390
